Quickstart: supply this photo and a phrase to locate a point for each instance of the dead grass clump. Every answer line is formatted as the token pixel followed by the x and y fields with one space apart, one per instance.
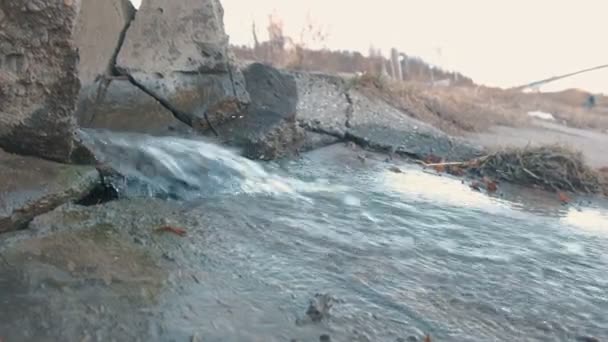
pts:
pixel 554 168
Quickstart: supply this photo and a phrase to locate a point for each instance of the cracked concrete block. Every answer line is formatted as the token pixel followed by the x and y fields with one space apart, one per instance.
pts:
pixel 38 77
pixel 176 36
pixel 122 107
pixel 268 129
pixel 380 126
pixel 323 106
pixel 179 50
pixel 97 35
pixel 32 186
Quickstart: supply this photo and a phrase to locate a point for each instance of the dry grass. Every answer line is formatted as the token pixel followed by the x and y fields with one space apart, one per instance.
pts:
pixel 566 106
pixel 574 115
pixel 458 109
pixel 554 167
pixel 453 109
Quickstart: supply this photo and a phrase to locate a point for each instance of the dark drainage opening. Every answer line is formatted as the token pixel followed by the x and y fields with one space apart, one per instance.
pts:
pixel 101 193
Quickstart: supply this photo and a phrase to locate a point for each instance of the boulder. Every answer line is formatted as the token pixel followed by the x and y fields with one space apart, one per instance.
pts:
pixel 32 186
pixel 179 51
pixel 268 129
pixel 39 81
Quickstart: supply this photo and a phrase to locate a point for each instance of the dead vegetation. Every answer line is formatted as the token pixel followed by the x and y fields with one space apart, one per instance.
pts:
pixel 453 109
pixel 460 109
pixel 553 168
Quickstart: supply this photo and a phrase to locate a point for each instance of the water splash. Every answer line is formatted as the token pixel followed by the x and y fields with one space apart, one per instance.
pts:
pixel 188 168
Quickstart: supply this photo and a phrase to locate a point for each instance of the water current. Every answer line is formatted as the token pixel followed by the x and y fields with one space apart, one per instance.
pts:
pixel 403 254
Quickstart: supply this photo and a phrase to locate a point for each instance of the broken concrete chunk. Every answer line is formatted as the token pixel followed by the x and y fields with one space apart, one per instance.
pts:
pixel 120 106
pixel 268 130
pixel 323 106
pixel 377 125
pixel 271 89
pixel 196 94
pixel 38 77
pixel 176 36
pixel 32 186
pixel 179 51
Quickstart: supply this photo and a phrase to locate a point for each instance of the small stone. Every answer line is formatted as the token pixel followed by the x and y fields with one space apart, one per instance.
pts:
pixel 587 339
pixel 107 279
pixel 319 307
pixel 71 266
pixel 395 169
pixel 325 338
pixel 33 6
pixel 168 256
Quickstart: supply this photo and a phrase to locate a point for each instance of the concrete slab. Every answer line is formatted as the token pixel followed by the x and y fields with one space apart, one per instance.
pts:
pixel 30 186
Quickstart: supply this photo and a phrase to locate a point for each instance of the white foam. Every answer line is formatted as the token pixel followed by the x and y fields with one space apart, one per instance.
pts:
pixel 194 162
pixel 352 201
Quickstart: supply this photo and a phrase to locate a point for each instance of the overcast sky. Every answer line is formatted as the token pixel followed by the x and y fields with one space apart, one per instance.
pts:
pixel 496 42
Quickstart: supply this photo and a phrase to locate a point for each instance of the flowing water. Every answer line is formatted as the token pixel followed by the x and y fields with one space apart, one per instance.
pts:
pixel 402 254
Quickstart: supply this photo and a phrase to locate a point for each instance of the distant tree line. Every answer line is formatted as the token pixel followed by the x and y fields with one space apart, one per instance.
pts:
pixel 285 52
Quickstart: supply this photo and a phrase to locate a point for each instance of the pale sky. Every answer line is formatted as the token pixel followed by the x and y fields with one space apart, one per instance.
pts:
pixel 496 42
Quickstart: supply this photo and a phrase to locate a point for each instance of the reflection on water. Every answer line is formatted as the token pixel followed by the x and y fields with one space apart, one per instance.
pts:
pixel 588 219
pixel 430 187
pixel 415 184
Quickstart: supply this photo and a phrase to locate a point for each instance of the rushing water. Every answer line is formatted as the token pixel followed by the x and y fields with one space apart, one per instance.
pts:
pixel 403 253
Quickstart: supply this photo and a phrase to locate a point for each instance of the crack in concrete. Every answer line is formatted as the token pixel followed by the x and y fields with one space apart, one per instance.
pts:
pixel 116 73
pixel 350 109
pixel 121 40
pixel 230 73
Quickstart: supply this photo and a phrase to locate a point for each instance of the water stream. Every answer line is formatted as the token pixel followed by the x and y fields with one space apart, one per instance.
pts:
pixel 403 254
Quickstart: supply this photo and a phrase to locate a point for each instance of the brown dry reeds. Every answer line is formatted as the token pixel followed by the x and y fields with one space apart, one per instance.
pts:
pixel 554 167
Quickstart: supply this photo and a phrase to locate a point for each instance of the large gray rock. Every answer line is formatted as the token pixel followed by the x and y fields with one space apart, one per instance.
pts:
pixel 38 77
pixel 178 50
pixel 268 129
pixel 32 186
